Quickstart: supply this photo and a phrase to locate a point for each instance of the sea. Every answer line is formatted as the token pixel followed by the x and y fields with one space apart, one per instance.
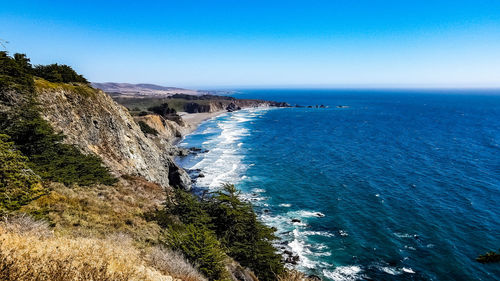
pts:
pixel 373 185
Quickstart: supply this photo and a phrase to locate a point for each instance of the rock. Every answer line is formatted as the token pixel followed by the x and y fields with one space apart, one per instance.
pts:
pixel 313 277
pixel 295 220
pixel 232 107
pixel 322 106
pixel 201 175
pixel 179 178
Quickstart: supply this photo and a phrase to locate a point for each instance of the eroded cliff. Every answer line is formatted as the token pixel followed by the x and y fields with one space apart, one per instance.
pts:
pixel 95 123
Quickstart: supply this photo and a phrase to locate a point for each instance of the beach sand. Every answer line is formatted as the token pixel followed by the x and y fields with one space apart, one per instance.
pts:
pixel 193 120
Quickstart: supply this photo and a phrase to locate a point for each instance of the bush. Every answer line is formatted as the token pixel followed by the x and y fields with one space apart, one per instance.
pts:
pixel 162 109
pixel 18 184
pixel 199 246
pixel 247 239
pixel 58 73
pixel 235 225
pixel 146 129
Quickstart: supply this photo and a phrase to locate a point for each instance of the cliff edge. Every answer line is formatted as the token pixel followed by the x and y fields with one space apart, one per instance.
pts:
pixel 95 123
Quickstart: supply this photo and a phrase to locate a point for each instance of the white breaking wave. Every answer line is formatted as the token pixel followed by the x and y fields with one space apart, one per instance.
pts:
pixel 344 273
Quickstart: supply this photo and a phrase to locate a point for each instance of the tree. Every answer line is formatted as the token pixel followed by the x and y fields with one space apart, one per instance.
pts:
pixel 18 184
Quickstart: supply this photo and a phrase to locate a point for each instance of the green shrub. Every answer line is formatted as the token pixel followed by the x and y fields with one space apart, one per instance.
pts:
pixel 58 73
pixel 242 236
pixel 162 109
pixel 246 238
pixel 146 129
pixel 200 246
pixel 18 184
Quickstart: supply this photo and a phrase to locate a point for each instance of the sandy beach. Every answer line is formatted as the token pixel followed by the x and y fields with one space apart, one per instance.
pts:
pixel 193 120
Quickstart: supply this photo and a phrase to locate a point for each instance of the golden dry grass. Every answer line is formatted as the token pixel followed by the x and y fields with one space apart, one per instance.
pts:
pixel 294 275
pixel 173 263
pixel 100 211
pixel 29 250
pixel 29 256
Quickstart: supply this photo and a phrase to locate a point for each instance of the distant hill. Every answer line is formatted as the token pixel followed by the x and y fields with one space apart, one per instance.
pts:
pixel 127 89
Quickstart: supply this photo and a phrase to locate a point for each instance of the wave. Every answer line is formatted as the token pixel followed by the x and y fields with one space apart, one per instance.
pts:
pixel 344 273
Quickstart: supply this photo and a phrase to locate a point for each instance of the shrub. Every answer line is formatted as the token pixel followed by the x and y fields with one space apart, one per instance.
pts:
pixel 247 239
pixel 18 184
pixel 146 129
pixel 162 109
pixel 199 246
pixel 58 73
pixel 241 234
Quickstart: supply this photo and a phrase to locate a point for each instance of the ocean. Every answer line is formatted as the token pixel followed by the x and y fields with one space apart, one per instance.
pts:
pixel 380 184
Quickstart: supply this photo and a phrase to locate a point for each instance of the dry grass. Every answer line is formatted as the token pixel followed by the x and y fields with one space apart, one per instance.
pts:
pixel 174 264
pixel 30 256
pixel 99 211
pixel 294 275
pixel 93 233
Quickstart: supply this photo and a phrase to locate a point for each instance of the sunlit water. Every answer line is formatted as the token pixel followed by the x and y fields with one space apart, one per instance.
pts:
pixel 396 186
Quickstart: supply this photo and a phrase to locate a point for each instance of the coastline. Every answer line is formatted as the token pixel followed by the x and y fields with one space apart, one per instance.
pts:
pixel 193 120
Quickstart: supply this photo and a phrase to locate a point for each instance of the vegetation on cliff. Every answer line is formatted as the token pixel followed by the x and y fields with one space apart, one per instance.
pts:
pixel 224 216
pixel 18 184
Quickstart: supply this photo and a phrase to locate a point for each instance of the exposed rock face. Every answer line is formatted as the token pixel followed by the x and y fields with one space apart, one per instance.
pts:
pixel 97 124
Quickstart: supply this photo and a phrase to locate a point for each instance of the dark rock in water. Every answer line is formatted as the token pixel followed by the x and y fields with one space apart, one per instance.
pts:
pixel 232 107
pixel 197 150
pixel 286 252
pixel 314 277
pixel 342 106
pixel 295 220
pixel 299 106
pixel 266 211
pixel 182 152
pixel 292 260
pixel 201 175
pixel 319 215
pixel 322 106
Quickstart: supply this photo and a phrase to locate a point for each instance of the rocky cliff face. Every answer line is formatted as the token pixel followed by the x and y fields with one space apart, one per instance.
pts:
pixel 91 120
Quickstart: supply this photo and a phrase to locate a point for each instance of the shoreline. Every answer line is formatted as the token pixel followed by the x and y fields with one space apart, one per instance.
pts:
pixel 194 120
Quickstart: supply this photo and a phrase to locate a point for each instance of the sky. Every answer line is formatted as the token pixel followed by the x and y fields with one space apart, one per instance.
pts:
pixel 258 44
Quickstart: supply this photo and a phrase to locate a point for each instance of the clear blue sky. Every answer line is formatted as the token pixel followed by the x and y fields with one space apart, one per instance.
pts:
pixel 314 43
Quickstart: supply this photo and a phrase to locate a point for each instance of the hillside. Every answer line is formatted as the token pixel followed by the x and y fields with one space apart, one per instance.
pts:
pixel 135 90
pixel 79 169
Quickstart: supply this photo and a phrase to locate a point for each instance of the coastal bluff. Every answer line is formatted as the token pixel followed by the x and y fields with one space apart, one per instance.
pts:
pixel 95 123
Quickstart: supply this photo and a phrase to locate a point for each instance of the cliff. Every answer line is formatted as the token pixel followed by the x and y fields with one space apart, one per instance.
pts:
pixel 91 120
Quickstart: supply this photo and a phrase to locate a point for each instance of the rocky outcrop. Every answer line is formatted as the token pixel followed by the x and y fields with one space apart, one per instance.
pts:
pixel 91 120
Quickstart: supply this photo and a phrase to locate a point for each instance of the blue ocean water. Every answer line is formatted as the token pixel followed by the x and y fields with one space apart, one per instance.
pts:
pixel 396 185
